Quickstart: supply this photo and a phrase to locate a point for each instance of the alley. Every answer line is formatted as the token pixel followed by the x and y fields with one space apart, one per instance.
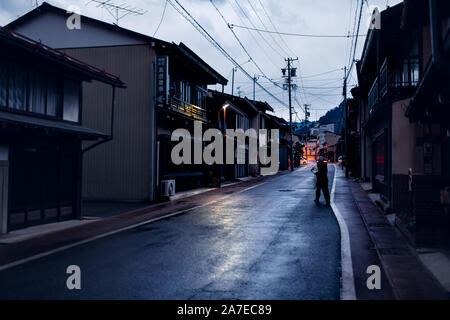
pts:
pixel 268 242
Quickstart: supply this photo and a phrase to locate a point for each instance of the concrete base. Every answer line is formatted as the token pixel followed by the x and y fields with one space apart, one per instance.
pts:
pixel 39 230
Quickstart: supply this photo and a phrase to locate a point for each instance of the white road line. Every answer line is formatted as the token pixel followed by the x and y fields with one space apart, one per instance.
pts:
pixel 348 281
pixel 50 252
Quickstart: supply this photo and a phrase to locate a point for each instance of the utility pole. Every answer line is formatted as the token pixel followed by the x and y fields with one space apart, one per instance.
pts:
pixel 239 91
pixel 232 83
pixel 346 122
pixel 291 72
pixel 255 78
pixel 307 114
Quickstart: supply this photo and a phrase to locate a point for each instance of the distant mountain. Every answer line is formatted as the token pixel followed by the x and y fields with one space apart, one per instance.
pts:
pixel 302 128
pixel 335 116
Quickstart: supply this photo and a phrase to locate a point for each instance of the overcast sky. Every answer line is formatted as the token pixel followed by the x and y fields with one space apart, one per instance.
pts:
pixel 316 55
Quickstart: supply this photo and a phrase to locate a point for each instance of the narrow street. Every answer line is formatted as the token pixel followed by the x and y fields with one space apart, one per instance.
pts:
pixel 270 241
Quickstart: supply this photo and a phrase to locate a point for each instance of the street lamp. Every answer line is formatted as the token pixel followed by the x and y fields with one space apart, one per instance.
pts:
pixel 224 107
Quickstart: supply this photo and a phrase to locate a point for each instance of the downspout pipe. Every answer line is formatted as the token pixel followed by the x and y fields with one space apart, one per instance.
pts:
pixel 111 135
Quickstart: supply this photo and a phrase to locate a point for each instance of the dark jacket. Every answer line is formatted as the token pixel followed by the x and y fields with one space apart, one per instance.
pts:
pixel 321 174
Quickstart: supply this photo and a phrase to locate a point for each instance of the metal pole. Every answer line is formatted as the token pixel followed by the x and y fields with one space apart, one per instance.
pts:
pixel 291 142
pixel 346 122
pixel 254 83
pixel 232 84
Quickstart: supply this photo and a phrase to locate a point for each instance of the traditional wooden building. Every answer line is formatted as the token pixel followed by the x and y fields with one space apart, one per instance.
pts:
pixel 42 132
pixel 284 137
pixel 403 117
pixel 388 75
pixel 232 112
pixel 166 90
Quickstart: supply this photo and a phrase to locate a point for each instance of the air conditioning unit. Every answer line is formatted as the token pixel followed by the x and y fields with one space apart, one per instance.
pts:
pixel 168 188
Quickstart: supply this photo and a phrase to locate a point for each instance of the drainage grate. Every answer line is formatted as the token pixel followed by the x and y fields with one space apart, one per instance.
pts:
pixel 286 190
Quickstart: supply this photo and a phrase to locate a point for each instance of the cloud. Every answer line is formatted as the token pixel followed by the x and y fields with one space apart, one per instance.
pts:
pixel 316 55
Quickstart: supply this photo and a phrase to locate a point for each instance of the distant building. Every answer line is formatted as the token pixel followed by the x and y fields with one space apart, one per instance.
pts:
pixel 232 112
pixel 327 127
pixel 311 149
pixel 314 131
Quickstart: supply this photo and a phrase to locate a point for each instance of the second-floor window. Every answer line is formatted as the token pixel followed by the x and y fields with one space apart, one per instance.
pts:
pixel 30 90
pixel 17 87
pixel 187 92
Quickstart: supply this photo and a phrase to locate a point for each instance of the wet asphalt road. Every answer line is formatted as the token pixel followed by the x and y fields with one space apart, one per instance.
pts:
pixel 269 242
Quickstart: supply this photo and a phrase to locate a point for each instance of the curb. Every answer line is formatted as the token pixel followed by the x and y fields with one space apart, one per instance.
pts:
pixel 382 258
pixel 347 276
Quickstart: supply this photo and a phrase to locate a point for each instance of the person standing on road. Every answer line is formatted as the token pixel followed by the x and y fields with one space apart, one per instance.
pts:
pixel 322 181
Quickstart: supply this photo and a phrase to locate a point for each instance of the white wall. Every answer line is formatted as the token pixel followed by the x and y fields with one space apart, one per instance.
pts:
pixel 403 139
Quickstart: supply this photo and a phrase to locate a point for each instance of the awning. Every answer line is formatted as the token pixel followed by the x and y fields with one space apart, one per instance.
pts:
pixel 52 125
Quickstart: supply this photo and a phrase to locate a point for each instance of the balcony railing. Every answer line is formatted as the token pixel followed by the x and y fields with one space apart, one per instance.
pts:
pixel 188 109
pixel 393 80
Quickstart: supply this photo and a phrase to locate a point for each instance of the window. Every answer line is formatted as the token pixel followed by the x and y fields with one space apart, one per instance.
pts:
pixel 187 93
pixel 194 97
pixel 71 100
pixel 201 100
pixel 176 87
pixel 182 90
pixel 54 100
pixel 25 89
pixel 17 94
pixel 37 92
pixel 3 84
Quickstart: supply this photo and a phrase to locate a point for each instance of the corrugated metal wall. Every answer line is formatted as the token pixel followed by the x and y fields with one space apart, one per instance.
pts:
pixel 120 169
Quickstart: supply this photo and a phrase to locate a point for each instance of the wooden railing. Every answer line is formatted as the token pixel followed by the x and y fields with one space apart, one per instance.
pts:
pixel 405 76
pixel 188 109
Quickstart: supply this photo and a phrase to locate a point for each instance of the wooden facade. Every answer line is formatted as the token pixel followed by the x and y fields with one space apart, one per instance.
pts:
pixel 41 132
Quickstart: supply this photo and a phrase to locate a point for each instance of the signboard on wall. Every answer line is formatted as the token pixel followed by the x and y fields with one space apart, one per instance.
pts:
pixel 162 81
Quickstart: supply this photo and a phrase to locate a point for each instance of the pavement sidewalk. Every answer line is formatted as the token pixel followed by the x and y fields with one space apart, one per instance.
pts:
pixel 77 232
pixel 374 241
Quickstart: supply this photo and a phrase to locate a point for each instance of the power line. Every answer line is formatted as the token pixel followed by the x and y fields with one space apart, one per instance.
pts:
pixel 353 32
pixel 323 73
pixel 185 14
pixel 323 87
pixel 162 17
pixel 253 36
pixel 356 42
pixel 265 28
pixel 256 29
pixel 273 25
pixel 242 45
pixel 348 32
pixel 238 40
pixel 296 34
